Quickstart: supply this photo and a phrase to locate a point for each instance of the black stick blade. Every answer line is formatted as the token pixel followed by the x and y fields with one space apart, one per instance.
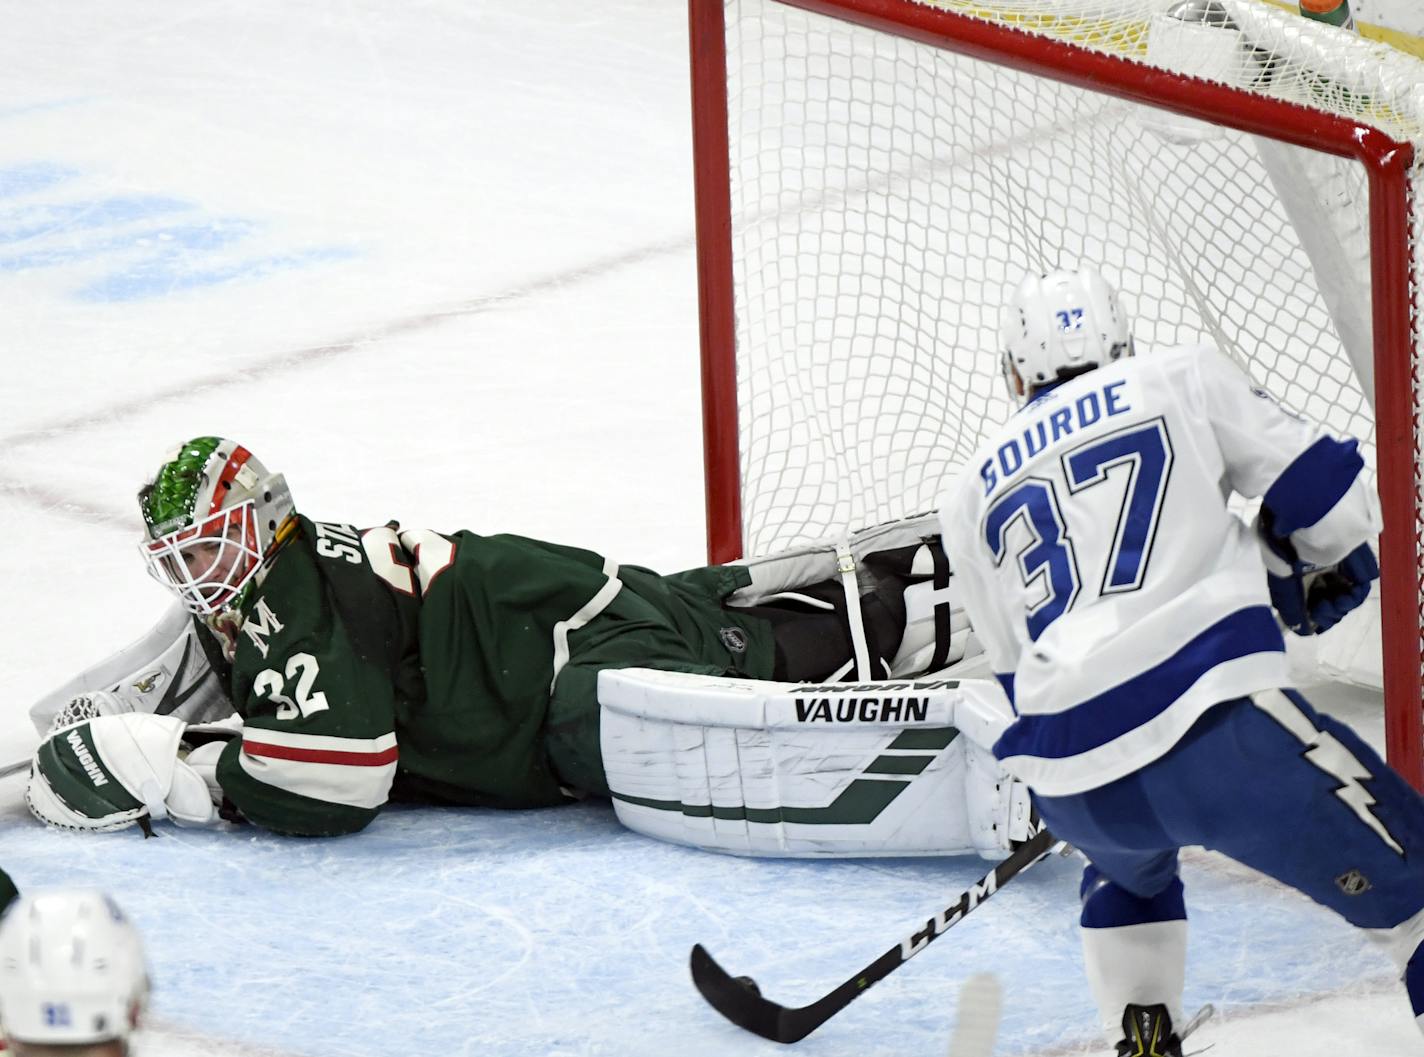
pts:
pixel 741 1002
pixel 736 1001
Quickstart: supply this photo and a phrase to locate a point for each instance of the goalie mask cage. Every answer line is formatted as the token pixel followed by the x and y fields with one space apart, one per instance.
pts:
pixel 873 176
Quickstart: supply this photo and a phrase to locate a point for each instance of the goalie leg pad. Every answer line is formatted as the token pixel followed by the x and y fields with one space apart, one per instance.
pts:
pixel 998 807
pixel 785 770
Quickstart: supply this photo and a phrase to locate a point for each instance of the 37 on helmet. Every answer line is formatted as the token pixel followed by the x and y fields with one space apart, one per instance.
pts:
pixel 1059 325
pixel 212 513
pixel 72 969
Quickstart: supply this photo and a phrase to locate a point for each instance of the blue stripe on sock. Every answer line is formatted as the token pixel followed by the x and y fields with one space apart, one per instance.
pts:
pixel 1107 906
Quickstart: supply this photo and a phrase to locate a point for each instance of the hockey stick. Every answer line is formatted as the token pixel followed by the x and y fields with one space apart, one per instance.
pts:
pixel 15 767
pixel 740 1000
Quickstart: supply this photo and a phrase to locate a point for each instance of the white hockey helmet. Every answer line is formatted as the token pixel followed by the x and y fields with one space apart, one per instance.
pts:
pixel 212 514
pixel 1060 325
pixel 72 969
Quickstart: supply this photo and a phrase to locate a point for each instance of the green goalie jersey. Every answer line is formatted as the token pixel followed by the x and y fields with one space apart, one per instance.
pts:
pixel 394 663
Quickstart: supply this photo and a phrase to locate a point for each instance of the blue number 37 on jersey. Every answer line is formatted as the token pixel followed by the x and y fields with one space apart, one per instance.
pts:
pixel 1049 563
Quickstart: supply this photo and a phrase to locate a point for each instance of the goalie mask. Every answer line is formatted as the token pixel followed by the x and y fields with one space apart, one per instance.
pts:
pixel 72 970
pixel 213 514
pixel 1058 326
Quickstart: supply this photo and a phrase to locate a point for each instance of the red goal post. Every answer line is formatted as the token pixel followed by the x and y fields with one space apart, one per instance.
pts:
pixel 856 235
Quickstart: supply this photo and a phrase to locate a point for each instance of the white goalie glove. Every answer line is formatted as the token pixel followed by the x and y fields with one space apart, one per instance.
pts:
pixel 115 771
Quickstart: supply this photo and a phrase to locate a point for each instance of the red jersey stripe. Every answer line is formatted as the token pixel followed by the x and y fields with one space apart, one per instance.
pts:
pixel 336 756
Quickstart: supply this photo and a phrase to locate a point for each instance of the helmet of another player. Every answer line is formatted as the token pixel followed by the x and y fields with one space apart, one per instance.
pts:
pixel 72 970
pixel 212 514
pixel 1058 326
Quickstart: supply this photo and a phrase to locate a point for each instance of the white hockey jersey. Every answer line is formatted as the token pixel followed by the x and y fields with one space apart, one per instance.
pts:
pixel 1117 596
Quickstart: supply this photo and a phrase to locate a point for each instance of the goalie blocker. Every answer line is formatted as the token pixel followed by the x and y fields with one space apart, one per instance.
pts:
pixel 882 768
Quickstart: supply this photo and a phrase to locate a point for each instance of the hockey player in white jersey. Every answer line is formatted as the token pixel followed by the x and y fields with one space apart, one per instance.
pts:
pixel 1129 615
pixel 73 977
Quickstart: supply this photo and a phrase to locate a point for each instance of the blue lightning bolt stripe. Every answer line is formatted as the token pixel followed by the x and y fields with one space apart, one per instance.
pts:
pixel 1327 753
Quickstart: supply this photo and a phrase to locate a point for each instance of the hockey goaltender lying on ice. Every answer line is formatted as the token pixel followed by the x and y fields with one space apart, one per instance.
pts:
pixel 311 671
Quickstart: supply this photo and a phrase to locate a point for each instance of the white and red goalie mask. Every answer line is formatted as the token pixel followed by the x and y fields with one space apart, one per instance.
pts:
pixel 212 512
pixel 206 565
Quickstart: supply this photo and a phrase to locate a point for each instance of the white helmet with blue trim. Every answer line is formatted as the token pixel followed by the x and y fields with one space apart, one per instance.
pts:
pixel 72 969
pixel 1060 325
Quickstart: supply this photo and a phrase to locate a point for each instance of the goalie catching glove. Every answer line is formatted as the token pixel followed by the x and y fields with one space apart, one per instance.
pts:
pixel 1310 598
pixel 115 771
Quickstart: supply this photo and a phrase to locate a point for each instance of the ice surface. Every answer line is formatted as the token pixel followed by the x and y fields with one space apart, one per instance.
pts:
pixel 434 261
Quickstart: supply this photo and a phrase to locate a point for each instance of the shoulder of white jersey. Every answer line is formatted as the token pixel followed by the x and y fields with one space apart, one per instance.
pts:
pixel 1217 370
pixel 1202 357
pixel 1188 372
pixel 1190 349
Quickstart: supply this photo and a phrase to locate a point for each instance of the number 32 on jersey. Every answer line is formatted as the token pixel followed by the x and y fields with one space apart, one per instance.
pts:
pixel 293 690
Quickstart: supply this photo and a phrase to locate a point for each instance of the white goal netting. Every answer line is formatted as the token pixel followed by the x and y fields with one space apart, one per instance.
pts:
pixel 886 194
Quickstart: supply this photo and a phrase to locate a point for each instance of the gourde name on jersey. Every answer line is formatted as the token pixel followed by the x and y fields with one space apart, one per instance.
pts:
pixel 1107 401
pixel 1116 595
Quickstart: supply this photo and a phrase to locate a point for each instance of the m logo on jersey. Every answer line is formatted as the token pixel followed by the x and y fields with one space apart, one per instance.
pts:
pixel 260 623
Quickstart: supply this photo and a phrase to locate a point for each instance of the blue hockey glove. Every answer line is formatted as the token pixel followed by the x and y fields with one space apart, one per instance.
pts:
pixel 1333 592
pixel 1312 599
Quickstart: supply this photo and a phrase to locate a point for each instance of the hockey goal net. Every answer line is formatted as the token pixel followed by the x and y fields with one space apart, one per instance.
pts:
pixel 874 175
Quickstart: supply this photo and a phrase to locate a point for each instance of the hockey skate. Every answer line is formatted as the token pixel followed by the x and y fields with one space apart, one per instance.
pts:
pixel 1147 1032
